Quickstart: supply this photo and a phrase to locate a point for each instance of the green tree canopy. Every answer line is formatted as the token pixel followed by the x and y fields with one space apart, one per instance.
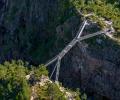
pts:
pixel 13 84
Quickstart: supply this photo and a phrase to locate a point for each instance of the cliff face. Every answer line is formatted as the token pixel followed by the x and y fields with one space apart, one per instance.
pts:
pixel 28 31
pixel 93 65
pixel 28 28
pixel 22 25
pixel 97 75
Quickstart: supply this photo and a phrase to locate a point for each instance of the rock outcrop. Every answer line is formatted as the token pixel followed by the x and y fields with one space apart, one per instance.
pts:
pixel 94 67
pixel 26 26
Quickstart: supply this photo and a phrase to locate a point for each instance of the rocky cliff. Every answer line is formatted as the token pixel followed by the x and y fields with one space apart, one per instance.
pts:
pixel 28 28
pixel 94 66
pixel 36 31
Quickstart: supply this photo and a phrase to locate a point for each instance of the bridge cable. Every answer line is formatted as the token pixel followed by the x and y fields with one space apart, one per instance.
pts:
pixel 58 69
pixel 53 71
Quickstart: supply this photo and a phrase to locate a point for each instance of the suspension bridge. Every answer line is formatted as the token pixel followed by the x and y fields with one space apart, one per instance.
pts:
pixel 78 38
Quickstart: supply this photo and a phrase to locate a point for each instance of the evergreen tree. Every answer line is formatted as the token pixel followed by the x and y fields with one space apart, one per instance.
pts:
pixel 13 84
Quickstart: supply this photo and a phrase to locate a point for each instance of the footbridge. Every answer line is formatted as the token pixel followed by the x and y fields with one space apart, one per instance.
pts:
pixel 75 40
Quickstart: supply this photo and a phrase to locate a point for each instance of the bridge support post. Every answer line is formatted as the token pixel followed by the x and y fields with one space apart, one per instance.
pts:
pixel 58 70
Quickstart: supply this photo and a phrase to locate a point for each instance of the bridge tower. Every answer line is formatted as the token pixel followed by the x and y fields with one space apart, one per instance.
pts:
pixel 58 69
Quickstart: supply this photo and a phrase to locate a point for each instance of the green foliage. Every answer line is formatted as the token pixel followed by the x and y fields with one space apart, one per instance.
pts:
pixel 78 94
pixel 100 8
pixel 13 84
pixel 50 92
pixel 39 71
pixel 54 92
pixel 84 97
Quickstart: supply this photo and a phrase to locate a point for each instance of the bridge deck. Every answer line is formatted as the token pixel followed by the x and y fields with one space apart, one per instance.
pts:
pixel 71 44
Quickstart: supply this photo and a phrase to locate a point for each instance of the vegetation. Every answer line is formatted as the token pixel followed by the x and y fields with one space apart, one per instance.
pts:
pixel 50 92
pixel 39 71
pixel 15 86
pixel 13 82
pixel 102 8
pixel 28 31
